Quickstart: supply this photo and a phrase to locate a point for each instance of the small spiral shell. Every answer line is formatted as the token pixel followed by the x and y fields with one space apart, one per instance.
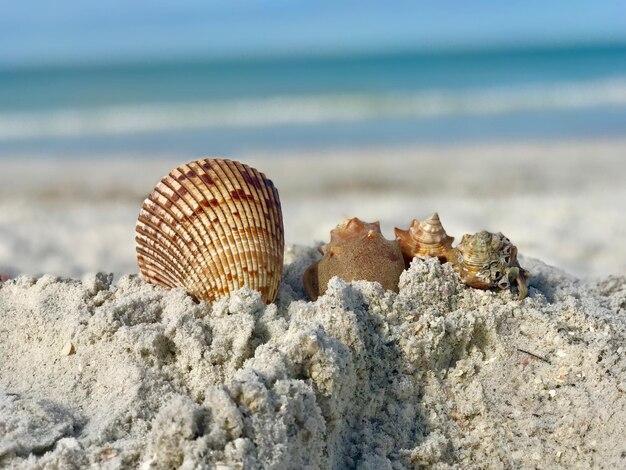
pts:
pixel 212 226
pixel 489 261
pixel 424 238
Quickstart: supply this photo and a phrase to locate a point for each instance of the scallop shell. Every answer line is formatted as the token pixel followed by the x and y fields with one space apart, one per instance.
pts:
pixel 212 226
pixel 424 238
pixel 357 251
pixel 489 261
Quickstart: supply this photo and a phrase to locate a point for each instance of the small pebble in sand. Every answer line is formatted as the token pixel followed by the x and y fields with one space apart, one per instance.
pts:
pixel 68 349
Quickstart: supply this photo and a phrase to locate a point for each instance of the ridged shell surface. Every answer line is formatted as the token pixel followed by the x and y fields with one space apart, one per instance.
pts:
pixel 489 260
pixel 425 238
pixel 212 226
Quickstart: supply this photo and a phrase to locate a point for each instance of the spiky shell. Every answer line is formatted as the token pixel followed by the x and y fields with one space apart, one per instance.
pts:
pixel 357 251
pixel 212 226
pixel 350 230
pixel 424 238
pixel 489 260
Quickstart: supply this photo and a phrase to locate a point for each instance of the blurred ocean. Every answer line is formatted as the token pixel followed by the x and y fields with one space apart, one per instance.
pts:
pixel 221 107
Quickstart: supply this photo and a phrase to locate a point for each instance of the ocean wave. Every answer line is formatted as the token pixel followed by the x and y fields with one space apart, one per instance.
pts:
pixel 307 110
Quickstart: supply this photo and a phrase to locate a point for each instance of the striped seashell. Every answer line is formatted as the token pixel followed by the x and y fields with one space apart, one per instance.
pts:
pixel 489 261
pixel 425 238
pixel 212 226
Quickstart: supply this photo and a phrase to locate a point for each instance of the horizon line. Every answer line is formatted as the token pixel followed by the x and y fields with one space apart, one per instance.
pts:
pixel 319 55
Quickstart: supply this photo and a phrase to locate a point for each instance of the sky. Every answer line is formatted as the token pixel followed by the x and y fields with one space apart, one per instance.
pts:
pixel 70 31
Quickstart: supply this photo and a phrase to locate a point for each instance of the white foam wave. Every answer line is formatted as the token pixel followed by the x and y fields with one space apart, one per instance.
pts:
pixel 303 110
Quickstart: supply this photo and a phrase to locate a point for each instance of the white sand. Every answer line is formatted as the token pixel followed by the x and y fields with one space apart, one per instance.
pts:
pixel 561 202
pixel 125 375
pixel 434 376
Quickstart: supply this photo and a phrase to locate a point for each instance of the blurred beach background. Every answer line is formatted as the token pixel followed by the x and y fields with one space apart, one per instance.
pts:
pixel 506 117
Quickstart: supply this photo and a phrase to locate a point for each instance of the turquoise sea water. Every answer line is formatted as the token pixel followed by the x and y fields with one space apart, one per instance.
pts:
pixel 221 107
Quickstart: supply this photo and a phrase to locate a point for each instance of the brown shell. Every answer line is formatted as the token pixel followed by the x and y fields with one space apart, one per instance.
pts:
pixel 350 230
pixel 212 226
pixel 489 261
pixel 357 251
pixel 424 238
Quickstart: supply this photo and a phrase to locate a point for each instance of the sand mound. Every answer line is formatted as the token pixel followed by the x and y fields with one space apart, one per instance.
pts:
pixel 438 375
